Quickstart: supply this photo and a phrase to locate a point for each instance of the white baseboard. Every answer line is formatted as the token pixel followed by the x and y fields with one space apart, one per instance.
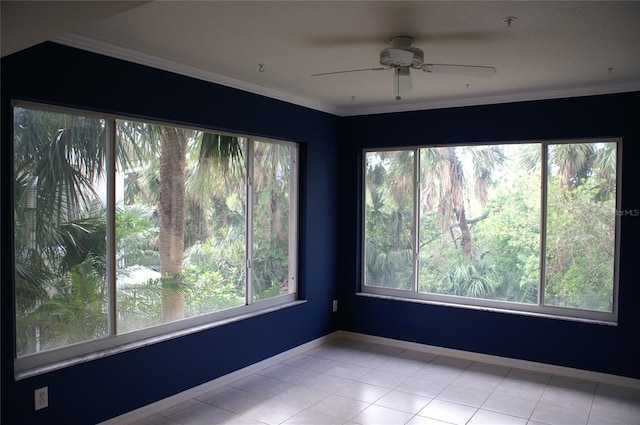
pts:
pixel 604 378
pixel 176 399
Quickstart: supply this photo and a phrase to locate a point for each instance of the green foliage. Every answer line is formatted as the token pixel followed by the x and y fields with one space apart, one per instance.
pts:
pixel 477 277
pixel 60 226
pixel 271 213
pixel 389 220
pixel 580 247
pixel 391 269
pixel 139 306
pixel 480 223
pixel 511 232
pixel 136 231
pixel 74 310
pixel 61 291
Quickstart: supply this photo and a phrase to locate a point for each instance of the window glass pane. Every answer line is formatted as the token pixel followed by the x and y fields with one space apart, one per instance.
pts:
pixel 272 174
pixel 60 228
pixel 481 210
pixel 156 220
pixel 581 219
pixel 389 205
pixel 479 221
pixel 180 224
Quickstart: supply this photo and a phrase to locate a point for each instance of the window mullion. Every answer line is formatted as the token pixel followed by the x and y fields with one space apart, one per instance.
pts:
pixel 249 222
pixel 293 219
pixel 111 225
pixel 416 218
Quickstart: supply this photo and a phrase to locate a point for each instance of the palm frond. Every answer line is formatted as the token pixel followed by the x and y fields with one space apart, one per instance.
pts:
pixel 530 156
pixel 605 167
pixel 573 161
pixel 485 160
pixel 219 162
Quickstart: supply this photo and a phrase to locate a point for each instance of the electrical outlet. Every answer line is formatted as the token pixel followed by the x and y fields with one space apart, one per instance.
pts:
pixel 41 397
pixel 335 305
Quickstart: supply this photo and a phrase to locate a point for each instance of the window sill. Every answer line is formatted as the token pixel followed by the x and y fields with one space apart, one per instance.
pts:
pixel 105 352
pixel 490 309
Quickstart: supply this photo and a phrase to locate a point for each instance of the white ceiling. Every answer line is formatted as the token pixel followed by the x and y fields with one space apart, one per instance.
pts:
pixel 551 49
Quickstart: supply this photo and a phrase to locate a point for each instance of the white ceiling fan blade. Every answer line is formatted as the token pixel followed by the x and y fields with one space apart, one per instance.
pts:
pixel 468 70
pixel 350 70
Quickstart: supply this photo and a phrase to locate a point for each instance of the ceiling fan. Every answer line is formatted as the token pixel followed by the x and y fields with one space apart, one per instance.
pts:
pixel 401 57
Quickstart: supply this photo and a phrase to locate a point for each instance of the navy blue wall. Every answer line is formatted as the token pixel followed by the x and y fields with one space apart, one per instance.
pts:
pixel 101 389
pixel 329 250
pixel 608 349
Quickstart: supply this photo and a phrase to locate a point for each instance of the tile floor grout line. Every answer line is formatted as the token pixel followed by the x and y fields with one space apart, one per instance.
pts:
pixel 346 355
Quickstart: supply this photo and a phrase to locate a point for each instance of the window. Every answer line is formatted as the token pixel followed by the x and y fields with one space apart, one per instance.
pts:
pixel 126 230
pixel 530 227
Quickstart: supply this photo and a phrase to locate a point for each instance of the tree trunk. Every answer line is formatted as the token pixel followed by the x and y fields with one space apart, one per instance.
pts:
pixel 171 211
pixel 457 197
pixel 467 249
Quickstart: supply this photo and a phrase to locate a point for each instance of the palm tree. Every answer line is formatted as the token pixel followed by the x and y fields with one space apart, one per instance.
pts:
pixel 445 186
pixel 453 181
pixel 574 163
pixel 477 277
pixel 59 214
pixel 59 227
pixel 389 224
pixel 171 210
pixel 215 159
pixel 215 169
pixel 271 175
pixel 579 247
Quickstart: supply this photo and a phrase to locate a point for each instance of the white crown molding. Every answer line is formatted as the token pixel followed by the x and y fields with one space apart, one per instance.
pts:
pixel 118 52
pixel 625 87
pixel 107 49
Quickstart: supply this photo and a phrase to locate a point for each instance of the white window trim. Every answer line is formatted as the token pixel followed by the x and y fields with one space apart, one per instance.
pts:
pixel 536 310
pixel 113 343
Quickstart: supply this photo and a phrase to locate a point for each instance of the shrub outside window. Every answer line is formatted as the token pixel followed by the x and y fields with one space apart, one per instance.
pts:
pixel 126 230
pixel 529 227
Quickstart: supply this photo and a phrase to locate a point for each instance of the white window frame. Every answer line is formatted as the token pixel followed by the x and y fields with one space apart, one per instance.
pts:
pixel 539 309
pixel 57 358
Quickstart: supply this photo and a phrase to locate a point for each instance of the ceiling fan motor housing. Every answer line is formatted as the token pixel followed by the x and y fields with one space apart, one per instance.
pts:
pixel 402 56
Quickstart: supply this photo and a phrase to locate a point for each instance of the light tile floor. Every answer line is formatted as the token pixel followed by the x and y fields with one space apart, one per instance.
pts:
pixel 350 382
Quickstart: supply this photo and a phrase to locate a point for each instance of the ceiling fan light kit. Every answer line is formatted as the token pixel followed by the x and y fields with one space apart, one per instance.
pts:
pixel 408 56
pixel 402 54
